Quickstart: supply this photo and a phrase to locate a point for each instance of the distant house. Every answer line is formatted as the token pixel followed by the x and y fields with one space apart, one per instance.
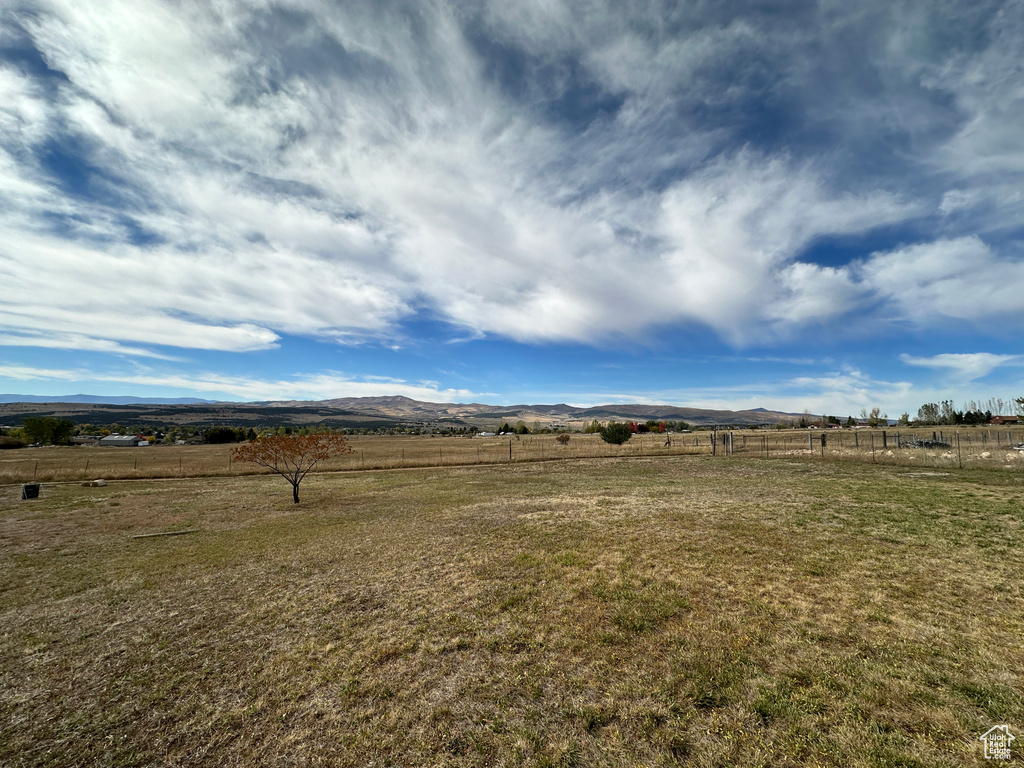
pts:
pixel 999 420
pixel 121 441
pixel 85 440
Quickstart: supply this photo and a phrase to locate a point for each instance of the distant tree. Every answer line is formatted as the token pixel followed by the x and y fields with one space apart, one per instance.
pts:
pixel 851 422
pixel 947 413
pixel 679 426
pixel 219 435
pixel 616 433
pixel 904 420
pixel 521 428
pixel 928 414
pixel 875 418
pixel 292 456
pixel 46 429
pixel 595 427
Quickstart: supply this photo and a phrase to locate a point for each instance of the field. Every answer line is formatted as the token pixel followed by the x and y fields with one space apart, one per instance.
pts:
pixel 970 447
pixel 645 610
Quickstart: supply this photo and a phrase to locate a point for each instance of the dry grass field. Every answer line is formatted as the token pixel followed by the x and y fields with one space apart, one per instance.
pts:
pixel 979 447
pixel 649 611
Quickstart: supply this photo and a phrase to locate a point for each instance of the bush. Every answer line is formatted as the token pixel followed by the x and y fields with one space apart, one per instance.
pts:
pixel 10 442
pixel 563 439
pixel 616 433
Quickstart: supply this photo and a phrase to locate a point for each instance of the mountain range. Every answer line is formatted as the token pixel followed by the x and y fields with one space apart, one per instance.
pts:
pixel 359 412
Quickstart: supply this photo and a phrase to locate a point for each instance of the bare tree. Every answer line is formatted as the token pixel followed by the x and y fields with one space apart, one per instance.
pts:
pixel 292 456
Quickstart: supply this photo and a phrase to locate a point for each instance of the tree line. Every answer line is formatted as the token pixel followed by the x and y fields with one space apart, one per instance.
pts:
pixel 946 413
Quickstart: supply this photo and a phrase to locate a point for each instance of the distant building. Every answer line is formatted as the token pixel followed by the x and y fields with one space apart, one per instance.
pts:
pixel 121 441
pixel 998 420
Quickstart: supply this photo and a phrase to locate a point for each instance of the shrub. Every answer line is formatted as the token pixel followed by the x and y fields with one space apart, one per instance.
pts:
pixel 563 439
pixel 10 442
pixel 616 433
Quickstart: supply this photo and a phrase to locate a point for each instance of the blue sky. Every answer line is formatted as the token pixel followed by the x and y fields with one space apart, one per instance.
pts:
pixel 800 205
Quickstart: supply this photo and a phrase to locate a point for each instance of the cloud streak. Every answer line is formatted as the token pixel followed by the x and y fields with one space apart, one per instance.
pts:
pixel 969 367
pixel 302 387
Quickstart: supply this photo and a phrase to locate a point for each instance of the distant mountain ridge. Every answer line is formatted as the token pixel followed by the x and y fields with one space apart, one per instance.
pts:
pixel 360 412
pixel 103 400
pixel 399 406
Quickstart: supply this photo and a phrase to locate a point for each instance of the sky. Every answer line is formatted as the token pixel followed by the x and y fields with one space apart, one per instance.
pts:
pixel 804 206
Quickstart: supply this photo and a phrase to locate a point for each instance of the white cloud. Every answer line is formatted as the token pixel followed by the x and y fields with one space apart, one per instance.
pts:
pixel 736 229
pixel 969 366
pixel 79 342
pixel 959 278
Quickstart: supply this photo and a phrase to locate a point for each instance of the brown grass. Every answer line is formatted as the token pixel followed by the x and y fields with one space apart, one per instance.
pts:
pixel 983 447
pixel 681 611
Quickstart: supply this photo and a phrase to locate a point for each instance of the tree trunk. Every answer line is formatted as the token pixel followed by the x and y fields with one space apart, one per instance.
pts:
pixel 295 492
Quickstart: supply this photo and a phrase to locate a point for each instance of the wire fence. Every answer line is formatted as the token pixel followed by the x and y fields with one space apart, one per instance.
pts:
pixel 1001 447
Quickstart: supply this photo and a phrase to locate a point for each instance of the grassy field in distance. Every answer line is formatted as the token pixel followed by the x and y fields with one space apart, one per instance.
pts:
pixel 979 447
pixel 656 611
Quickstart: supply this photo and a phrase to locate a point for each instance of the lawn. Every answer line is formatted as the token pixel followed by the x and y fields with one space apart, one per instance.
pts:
pixel 653 611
